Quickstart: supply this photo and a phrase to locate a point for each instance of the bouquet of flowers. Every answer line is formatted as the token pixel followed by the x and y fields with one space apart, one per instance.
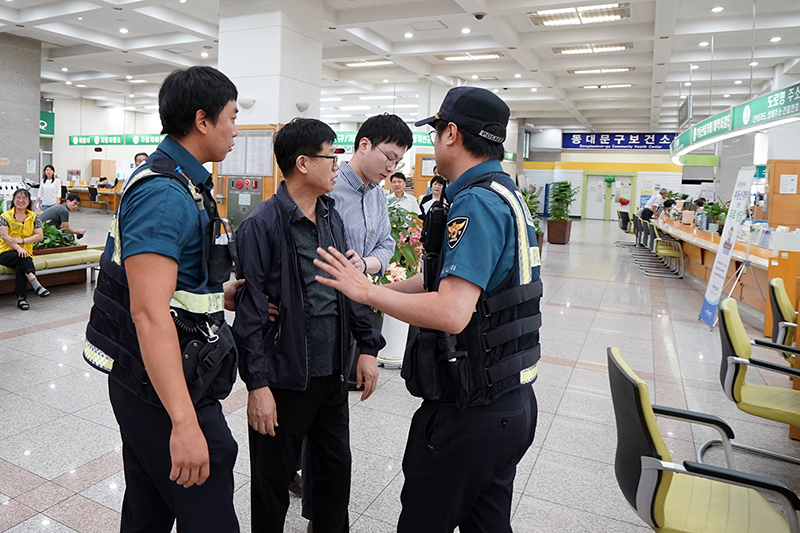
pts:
pixel 406 231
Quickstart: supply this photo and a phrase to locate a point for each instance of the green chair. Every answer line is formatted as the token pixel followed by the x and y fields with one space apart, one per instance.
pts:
pixel 773 403
pixel 784 317
pixel 688 498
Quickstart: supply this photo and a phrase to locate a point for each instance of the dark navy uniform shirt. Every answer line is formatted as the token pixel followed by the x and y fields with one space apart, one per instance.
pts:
pixel 480 244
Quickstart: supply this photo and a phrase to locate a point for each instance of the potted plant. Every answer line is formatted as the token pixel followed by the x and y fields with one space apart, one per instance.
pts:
pixel 562 194
pixel 531 197
pixel 55 240
pixel 406 231
pixel 717 212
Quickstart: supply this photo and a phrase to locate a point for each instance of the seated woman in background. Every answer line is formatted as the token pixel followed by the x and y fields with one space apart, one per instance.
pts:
pixel 19 229
pixel 49 189
pixel 103 183
pixel 438 184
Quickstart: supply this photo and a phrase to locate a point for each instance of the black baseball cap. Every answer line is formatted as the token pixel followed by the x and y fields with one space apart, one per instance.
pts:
pixel 472 109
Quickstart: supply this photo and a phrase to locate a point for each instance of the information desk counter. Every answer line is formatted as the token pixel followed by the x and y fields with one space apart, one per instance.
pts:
pixel 700 250
pixel 111 194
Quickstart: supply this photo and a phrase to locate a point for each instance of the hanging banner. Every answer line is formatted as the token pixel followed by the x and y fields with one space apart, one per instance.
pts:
pixel 733 226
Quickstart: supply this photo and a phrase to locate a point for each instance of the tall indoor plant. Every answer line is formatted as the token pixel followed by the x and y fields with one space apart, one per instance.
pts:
pixel 562 194
pixel 531 197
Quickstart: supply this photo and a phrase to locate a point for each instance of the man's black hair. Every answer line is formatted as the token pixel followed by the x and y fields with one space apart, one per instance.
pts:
pixel 71 197
pixel 477 146
pixel 185 92
pixel 397 175
pixel 385 128
pixel 145 154
pixel 669 202
pixel 301 136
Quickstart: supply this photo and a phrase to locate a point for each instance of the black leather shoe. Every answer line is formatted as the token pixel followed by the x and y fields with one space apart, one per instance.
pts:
pixel 295 487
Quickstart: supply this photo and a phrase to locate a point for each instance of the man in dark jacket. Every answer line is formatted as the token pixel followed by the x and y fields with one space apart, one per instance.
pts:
pixel 294 362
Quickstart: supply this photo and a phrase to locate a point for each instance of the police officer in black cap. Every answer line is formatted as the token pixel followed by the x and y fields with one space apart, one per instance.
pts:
pixel 476 354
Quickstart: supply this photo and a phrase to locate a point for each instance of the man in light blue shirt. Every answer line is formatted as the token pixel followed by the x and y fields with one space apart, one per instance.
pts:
pixel 380 144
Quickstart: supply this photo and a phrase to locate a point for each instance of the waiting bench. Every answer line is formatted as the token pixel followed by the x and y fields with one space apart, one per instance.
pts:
pixel 57 268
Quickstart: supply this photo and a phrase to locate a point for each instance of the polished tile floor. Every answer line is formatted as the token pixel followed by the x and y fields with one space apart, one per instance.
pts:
pixel 60 466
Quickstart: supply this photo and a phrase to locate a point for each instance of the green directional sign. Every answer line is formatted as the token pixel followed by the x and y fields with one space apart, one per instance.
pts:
pixel 144 139
pixel 773 106
pixel 509 156
pixel 47 124
pixel 348 138
pixel 115 139
pixel 711 127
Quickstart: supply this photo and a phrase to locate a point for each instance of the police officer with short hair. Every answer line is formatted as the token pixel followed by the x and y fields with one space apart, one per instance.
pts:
pixel 157 326
pixel 476 354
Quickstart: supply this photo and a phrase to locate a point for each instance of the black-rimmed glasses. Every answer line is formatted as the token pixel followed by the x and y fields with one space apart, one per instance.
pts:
pixel 334 158
pixel 391 163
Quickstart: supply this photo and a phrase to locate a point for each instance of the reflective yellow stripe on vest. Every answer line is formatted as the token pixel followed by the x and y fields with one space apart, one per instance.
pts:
pixel 527 255
pixel 205 304
pixel 97 357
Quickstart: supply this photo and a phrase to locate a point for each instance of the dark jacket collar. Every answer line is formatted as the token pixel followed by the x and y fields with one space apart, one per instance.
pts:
pixel 289 206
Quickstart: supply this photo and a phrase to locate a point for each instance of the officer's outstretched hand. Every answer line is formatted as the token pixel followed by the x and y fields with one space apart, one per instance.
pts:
pixel 367 373
pixel 262 414
pixel 189 452
pixel 345 277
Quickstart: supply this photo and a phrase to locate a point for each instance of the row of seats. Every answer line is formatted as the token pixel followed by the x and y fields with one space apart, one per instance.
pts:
pixel 695 497
pixel 656 254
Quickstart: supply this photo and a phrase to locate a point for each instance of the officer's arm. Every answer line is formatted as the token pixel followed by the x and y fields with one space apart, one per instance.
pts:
pixel 449 309
pixel 152 279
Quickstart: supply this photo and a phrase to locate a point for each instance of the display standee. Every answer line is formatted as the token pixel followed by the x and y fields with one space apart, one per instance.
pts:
pixel 741 271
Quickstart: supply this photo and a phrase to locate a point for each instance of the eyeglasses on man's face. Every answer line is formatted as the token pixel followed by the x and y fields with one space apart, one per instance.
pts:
pixel 391 164
pixel 334 158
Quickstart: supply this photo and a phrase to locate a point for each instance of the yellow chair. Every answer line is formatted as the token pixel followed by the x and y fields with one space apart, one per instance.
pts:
pixel 96 199
pixel 773 403
pixel 784 317
pixel 688 498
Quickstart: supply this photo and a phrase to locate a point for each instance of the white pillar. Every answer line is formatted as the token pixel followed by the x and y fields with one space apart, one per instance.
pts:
pixel 272 51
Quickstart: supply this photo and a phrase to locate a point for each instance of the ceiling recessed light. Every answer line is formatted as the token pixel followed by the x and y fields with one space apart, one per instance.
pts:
pixel 687 84
pixel 495 90
pixel 474 76
pixel 695 67
pixel 123 30
pixel 182 1
pixel 385 81
pixel 131 95
pixel 704 43
pixel 204 54
pixel 683 97
pixel 517 75
pixel 465 30
pixel 726 96
pixel 737 82
pixel 775 39
pixel 716 9
pixel 64 69
pixel 69 83
pixel 408 35
pixel 81 86
pixel 128 77
pixel 534 89
pixel 754 64
pixel 80 18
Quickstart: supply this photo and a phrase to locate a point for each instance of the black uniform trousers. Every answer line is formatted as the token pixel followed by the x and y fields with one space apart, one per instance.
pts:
pixel 459 466
pixel 23 266
pixel 152 502
pixel 320 414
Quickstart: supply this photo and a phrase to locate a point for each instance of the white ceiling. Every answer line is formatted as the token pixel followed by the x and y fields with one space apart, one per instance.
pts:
pixel 83 36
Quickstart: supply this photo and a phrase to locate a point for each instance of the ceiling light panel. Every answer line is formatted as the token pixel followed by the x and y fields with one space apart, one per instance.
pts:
pixel 363 63
pixel 470 56
pixel 602 70
pixel 592 48
pixel 570 16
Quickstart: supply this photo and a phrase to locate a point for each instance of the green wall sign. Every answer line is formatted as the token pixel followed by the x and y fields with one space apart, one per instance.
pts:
pixel 762 111
pixel 773 106
pixel 115 139
pixel 509 156
pixel 47 124
pixel 348 138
